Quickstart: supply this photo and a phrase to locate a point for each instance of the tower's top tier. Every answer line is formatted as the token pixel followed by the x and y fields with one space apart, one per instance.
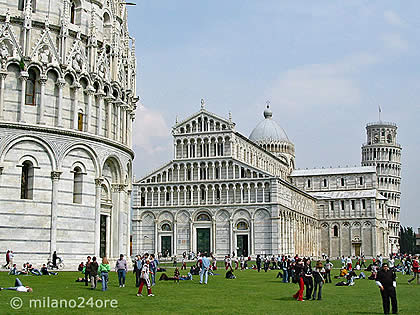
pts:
pixel 381 133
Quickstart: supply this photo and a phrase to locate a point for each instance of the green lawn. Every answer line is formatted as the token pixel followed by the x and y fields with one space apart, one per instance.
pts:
pixel 250 292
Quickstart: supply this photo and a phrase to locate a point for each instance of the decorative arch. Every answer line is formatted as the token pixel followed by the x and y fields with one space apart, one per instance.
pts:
pixel 35 139
pixel 118 165
pixel 89 151
pixel 30 158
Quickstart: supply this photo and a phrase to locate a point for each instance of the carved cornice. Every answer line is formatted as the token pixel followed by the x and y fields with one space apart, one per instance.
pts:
pixel 118 187
pixel 55 175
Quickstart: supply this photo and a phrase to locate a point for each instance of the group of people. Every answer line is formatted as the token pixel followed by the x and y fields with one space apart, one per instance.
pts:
pixel 9 259
pixel 28 269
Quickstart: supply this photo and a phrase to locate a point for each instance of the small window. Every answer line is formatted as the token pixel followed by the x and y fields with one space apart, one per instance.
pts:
pixel 166 227
pixel 168 196
pixel 342 182
pixel 203 194
pixel 77 185
pixel 72 12
pixel 189 174
pixel 217 173
pixel 242 226
pixel 21 5
pixel 332 205
pixel 363 204
pixel 353 205
pixel 30 91
pixel 325 182
pixel 203 217
pixel 217 193
pixel 309 183
pixel 335 231
pixel 342 204
pixel 80 121
pixel 361 180
pixel 27 180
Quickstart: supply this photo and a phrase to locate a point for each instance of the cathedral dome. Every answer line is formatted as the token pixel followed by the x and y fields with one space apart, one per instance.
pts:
pixel 268 130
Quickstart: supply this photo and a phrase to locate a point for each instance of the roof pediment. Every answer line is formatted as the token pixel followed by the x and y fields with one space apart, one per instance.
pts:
pixel 203 121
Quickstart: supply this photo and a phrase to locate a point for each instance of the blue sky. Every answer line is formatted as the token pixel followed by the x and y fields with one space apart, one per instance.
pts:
pixel 325 66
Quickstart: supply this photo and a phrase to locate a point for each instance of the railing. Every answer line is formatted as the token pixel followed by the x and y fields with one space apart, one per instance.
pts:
pixel 381 123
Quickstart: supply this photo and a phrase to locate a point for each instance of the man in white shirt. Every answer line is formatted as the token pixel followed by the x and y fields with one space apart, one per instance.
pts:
pixel 144 278
pixel 19 287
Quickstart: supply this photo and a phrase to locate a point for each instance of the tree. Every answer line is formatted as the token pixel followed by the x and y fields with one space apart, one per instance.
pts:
pixel 407 240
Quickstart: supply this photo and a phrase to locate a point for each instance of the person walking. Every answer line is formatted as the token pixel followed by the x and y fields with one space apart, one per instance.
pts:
pixel 121 268
pixel 258 261
pixel 104 269
pixel 153 268
pixel 308 279
pixel 386 281
pixel 328 267
pixel 87 270
pixel 54 259
pixel 11 257
pixel 298 274
pixel 205 265
pixel 416 269
pixel 285 268
pixel 318 280
pixel 7 265
pixel 138 266
pixel 144 279
pixel 93 273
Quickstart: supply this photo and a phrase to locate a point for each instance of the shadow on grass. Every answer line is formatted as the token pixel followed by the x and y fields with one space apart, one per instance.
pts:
pixel 285 298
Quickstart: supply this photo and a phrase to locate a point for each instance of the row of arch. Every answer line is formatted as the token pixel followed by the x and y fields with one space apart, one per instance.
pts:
pixel 202 147
pixel 202 124
pixel 381 154
pixel 161 196
pixel 198 171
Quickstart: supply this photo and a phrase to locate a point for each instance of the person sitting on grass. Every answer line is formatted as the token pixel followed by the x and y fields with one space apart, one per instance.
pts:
pixel 13 271
pixel 19 287
pixel 229 274
pixel 176 275
pixel 81 266
pixel 33 270
pixel 45 272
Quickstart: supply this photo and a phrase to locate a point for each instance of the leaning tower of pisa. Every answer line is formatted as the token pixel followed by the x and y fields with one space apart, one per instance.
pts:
pixel 383 151
pixel 67 104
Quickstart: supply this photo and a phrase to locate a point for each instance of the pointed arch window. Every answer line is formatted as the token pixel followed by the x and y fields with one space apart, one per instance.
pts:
pixel 72 12
pixel 27 180
pixel 80 118
pixel 335 231
pixel 77 185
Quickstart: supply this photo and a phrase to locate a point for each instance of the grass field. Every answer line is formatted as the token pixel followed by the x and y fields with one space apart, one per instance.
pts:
pixel 250 293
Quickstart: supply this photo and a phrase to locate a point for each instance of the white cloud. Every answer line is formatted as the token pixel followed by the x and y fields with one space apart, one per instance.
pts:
pixel 321 84
pixel 151 132
pixel 395 42
pixel 392 18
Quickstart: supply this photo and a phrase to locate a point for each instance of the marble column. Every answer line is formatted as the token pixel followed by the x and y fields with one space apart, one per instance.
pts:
pixel 3 76
pixel 42 82
pixel 60 85
pixel 76 88
pixel 175 237
pixel 55 178
pixel 23 78
pixel 90 94
pixel 98 191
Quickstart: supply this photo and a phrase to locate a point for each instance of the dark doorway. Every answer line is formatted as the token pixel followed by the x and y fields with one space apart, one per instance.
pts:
pixel 102 242
pixel 166 246
pixel 203 240
pixel 357 249
pixel 242 245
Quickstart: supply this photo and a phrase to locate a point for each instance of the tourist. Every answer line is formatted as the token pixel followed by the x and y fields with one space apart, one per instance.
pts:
pixel 242 261
pixel 19 287
pixel 137 269
pixel 258 262
pixel 299 274
pixel 236 263
pixel 103 270
pixel 87 270
pixel 93 272
pixel 328 267
pixel 45 272
pixel 54 259
pixel 205 264
pixel 176 275
pixel 318 280
pixel 349 263
pixel 308 279
pixel 229 274
pixel 174 261
pixel 11 257
pixel 153 268
pixel 285 268
pixel 183 263
pixel 81 266
pixel 386 281
pixel 416 268
pixel 266 263
pixel 13 271
pixel 121 268
pixel 144 278
pixel 7 265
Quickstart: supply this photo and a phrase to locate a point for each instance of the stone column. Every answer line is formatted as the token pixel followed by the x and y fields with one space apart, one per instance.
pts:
pixel 252 240
pixel 122 191
pixel 76 88
pixel 191 235
pixel 60 84
pixel 3 76
pixel 108 235
pixel 100 96
pixel 98 191
pixel 175 237
pixel 109 118
pixel 156 241
pixel 214 236
pixel 42 82
pixel 23 78
pixel 118 124
pixel 90 92
pixel 55 177
pixel 231 248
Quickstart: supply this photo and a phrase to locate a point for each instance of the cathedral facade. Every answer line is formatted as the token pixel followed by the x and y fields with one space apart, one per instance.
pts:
pixel 225 193
pixel 67 103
